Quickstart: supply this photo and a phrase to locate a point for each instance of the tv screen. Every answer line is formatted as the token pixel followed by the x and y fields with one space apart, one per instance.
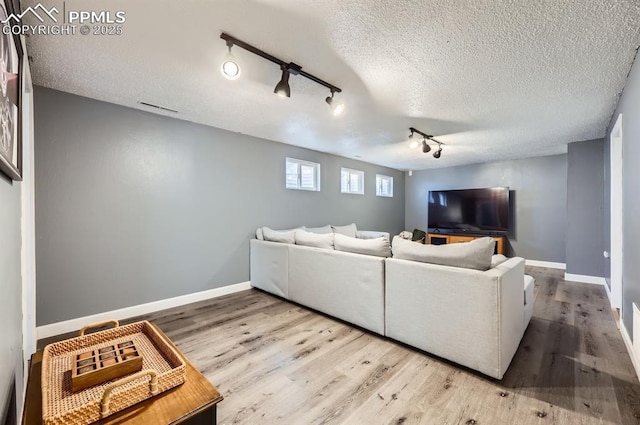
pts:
pixel 470 210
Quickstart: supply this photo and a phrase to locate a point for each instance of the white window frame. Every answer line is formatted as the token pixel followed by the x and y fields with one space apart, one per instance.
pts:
pixel 359 173
pixel 300 163
pixel 379 179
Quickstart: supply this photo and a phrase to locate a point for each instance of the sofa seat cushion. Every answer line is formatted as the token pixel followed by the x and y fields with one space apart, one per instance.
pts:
pixel 471 255
pixel 316 240
pixel 378 247
pixel 348 230
pixel 287 236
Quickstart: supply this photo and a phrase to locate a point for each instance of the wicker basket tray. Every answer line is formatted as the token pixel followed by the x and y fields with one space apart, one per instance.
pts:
pixel 163 368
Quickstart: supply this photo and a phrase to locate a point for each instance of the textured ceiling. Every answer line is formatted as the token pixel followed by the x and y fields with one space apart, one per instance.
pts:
pixel 491 79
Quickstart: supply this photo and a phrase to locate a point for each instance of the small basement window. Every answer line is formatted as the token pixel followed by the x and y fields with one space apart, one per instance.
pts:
pixel 352 181
pixel 302 175
pixel 384 186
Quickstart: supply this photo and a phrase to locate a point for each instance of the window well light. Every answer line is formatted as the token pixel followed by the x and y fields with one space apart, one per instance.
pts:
pixel 230 68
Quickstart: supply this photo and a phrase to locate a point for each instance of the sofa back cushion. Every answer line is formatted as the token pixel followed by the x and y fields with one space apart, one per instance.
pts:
pixel 314 239
pixel 348 230
pixel 378 247
pixel 321 230
pixel 372 234
pixel 286 236
pixel 471 255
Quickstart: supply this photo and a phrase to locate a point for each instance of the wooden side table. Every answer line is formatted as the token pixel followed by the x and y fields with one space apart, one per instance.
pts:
pixel 194 402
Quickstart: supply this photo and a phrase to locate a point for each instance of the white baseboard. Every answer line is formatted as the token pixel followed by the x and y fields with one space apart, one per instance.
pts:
pixel 629 345
pixel 66 326
pixel 607 282
pixel 548 264
pixel 595 280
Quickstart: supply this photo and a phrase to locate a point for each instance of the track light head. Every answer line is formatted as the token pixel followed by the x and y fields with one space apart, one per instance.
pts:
pixel 282 88
pixel 438 153
pixel 336 106
pixel 230 68
pixel 425 146
pixel 413 143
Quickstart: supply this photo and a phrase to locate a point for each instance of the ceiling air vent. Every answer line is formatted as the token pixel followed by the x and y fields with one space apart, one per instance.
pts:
pixel 162 108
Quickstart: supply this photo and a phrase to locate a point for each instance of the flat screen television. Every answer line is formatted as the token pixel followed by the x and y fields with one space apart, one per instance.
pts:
pixel 470 210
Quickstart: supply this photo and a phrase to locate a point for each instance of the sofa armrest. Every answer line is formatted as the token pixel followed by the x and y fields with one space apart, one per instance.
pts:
pixel 269 266
pixel 371 234
pixel 511 278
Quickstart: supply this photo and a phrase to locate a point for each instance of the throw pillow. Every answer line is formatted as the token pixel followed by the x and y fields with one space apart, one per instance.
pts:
pixel 406 235
pixel 471 255
pixel 418 236
pixel 313 239
pixel 348 230
pixel 320 230
pixel 378 247
pixel 287 236
pixel 497 259
pixel 259 235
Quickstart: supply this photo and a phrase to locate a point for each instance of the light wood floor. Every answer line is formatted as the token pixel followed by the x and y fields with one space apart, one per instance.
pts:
pixel 279 363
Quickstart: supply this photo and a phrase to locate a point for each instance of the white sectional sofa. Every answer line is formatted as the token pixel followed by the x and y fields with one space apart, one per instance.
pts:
pixel 472 317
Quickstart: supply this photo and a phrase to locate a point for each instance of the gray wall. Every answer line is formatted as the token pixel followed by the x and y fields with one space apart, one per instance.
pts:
pixel 585 208
pixel 629 106
pixel 10 297
pixel 134 207
pixel 540 200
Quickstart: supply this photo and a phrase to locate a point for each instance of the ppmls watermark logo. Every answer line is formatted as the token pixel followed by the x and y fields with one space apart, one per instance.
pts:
pixel 50 21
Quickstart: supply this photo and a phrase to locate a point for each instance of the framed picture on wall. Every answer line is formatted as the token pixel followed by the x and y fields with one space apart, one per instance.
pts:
pixel 11 56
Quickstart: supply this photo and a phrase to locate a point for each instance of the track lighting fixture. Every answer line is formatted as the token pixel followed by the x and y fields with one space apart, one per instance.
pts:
pixel 231 70
pixel 426 148
pixel 437 153
pixel 336 106
pixel 413 142
pixel 282 88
